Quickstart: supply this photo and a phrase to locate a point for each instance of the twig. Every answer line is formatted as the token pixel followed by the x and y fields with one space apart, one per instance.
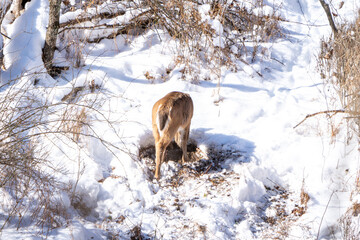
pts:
pixel 124 30
pixel 207 170
pixel 103 26
pixel 322 218
pixel 329 16
pixel 258 73
pixel 317 113
pixel 276 184
pixel 5 35
pixel 104 15
pixel 142 20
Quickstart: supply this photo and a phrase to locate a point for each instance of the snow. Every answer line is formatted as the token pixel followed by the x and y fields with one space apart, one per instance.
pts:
pixel 248 116
pixel 27 36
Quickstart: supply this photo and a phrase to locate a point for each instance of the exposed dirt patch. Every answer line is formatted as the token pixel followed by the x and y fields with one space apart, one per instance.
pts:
pixel 282 210
pixel 173 152
pixel 200 162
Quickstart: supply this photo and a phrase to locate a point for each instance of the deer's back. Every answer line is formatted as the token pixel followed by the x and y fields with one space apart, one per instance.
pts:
pixel 177 106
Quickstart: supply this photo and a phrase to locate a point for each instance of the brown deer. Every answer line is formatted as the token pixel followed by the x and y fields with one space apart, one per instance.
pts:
pixel 171 117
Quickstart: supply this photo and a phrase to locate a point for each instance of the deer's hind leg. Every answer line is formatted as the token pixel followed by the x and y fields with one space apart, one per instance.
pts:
pixel 161 144
pixel 181 139
pixel 160 155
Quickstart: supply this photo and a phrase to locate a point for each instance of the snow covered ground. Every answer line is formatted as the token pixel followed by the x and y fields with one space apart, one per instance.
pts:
pixel 254 165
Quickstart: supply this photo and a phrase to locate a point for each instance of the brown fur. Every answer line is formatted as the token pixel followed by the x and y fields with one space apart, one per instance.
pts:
pixel 171 118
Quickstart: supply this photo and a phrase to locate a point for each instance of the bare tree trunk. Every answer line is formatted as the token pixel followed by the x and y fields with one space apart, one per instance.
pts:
pixel 51 35
pixel 329 16
pixel 17 8
pixel 3 13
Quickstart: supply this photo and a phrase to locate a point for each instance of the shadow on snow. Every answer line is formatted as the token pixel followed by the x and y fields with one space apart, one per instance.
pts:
pixel 208 153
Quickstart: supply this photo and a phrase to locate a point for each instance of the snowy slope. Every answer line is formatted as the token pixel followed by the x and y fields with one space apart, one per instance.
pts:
pixel 249 135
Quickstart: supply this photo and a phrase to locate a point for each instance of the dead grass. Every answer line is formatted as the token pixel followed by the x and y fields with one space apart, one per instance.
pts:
pixel 304 197
pixel 135 233
pixel 74 120
pixel 30 127
pixel 281 218
pixel 349 223
pixel 339 66
pixel 201 42
pixel 31 189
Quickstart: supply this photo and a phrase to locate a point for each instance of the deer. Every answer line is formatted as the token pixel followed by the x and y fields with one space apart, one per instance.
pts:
pixel 171 118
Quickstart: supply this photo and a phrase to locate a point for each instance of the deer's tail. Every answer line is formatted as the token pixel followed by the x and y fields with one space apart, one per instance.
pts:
pixel 162 118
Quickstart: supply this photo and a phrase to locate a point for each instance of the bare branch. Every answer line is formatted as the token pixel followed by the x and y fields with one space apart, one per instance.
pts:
pixel 329 16
pixel 5 35
pixel 104 15
pixel 322 112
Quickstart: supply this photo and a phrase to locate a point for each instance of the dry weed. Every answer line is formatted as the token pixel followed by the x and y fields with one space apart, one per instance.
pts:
pixel 205 47
pixel 304 196
pixel 349 223
pixel 281 218
pixel 339 64
pixel 23 160
pixel 73 43
pixel 29 128
pixel 74 120
pixel 209 35
pixel 149 77
pixel 301 209
pixel 357 182
pixel 135 233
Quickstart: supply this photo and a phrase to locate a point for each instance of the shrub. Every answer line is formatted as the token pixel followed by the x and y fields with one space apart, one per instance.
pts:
pixel 209 34
pixel 27 180
pixel 30 126
pixel 339 66
pixel 214 32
